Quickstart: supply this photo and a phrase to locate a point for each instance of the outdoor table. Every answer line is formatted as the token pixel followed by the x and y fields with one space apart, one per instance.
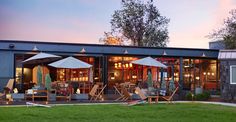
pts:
pixel 152 97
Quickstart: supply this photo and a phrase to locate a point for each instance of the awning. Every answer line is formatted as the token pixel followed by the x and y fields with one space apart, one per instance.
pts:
pixel 227 54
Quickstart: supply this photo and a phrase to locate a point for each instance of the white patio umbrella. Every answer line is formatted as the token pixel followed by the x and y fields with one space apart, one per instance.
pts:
pixel 41 58
pixel 70 63
pixel 148 61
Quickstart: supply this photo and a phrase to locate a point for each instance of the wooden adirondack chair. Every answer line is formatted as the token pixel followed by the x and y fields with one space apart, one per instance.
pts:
pixel 125 95
pixel 7 89
pixel 140 93
pixel 169 99
pixel 93 93
pixel 142 96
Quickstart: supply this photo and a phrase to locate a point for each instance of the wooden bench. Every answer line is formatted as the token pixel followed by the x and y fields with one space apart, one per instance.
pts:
pixel 37 94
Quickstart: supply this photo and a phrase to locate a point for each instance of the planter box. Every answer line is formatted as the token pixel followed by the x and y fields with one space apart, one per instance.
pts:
pixel 198 90
pixel 18 96
pixel 52 97
pixel 79 97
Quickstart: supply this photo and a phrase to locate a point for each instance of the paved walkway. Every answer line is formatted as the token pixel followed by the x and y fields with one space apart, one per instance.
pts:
pixel 206 102
pixel 122 103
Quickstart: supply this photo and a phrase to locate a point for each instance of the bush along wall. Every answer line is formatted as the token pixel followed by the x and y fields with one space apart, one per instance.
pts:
pixel 198 97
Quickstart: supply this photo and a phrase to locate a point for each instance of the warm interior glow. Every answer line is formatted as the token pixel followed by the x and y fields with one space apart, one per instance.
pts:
pixel 15 90
pixel 78 91
pixel 197 78
pixel 204 73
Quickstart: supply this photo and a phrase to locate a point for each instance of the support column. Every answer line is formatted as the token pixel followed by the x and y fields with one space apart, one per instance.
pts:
pixel 181 73
pixel 104 72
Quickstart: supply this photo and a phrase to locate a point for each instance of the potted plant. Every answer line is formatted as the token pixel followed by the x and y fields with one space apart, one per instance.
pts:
pixel 198 89
pixel 48 81
pixel 150 83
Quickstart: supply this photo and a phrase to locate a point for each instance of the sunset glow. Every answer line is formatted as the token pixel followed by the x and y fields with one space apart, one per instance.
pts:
pixel 84 21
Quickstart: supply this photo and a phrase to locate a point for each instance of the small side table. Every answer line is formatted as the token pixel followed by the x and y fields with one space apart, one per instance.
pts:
pixel 152 97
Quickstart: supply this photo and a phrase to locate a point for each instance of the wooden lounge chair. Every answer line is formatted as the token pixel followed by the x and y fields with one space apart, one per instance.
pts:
pixel 140 93
pixel 93 93
pixel 117 89
pixel 125 95
pixel 143 97
pixel 169 99
pixel 7 89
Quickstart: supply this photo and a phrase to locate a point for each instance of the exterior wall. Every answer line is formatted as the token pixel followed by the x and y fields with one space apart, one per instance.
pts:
pixel 9 48
pixel 228 91
pixel 6 67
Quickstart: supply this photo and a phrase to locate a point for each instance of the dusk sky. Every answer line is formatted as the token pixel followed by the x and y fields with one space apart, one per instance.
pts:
pixel 84 21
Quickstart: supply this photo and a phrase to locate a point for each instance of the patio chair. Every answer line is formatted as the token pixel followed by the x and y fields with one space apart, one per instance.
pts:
pixel 7 89
pixel 93 93
pixel 169 99
pixel 142 96
pixel 117 89
pixel 140 93
pixel 125 95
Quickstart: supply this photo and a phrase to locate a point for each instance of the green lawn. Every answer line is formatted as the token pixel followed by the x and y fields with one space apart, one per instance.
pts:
pixel 117 113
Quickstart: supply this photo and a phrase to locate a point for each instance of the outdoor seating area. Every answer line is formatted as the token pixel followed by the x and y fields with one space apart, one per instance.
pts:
pixel 46 90
pixel 64 92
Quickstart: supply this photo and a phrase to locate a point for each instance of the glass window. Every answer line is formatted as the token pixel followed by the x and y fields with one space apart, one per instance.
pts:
pixel 81 75
pixel 233 74
pixel 120 70
pixel 200 73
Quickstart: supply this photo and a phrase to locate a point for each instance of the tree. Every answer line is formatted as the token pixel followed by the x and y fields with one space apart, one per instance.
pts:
pixel 228 32
pixel 141 23
pixel 111 39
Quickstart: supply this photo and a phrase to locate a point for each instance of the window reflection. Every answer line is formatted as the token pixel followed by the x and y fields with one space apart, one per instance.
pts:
pixel 200 73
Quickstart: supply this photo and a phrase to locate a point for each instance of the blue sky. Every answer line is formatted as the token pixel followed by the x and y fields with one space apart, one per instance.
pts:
pixel 84 21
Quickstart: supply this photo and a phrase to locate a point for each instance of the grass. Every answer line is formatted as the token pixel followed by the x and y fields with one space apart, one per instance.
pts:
pixel 186 112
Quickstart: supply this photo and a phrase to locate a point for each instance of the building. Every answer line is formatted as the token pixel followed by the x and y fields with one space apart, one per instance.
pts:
pixel 217 45
pixel 228 74
pixel 190 68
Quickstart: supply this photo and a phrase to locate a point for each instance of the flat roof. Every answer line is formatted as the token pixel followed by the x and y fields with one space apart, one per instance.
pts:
pixel 107 49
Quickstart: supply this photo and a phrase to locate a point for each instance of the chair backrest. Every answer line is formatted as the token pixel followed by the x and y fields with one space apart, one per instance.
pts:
pixel 125 92
pixel 176 89
pixel 9 85
pixel 101 91
pixel 140 93
pixel 94 90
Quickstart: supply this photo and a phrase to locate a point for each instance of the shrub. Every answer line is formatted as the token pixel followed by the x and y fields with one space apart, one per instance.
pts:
pixel 188 96
pixel 199 97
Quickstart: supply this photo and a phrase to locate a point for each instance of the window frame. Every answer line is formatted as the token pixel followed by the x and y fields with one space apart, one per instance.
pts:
pixel 231 74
